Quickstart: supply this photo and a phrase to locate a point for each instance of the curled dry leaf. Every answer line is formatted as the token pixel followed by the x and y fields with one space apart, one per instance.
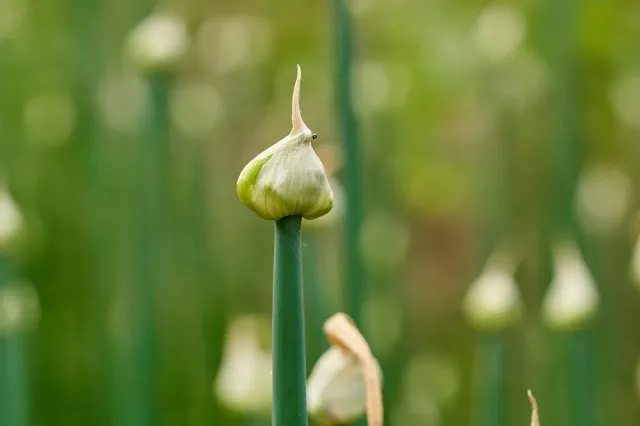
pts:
pixel 535 421
pixel 343 333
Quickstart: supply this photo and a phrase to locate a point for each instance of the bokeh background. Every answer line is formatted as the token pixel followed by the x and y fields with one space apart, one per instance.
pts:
pixel 136 290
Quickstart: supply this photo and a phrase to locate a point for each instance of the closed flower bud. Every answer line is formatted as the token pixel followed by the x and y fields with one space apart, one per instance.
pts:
pixel 288 178
pixel 493 301
pixel 346 381
pixel 572 298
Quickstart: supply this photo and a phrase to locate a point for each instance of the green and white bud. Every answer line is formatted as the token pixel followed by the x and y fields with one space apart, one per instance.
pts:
pixel 333 217
pixel 493 301
pixel 336 389
pixel 572 298
pixel 288 178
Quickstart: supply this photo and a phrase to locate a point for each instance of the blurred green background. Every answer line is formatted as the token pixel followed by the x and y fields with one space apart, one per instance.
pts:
pixel 127 262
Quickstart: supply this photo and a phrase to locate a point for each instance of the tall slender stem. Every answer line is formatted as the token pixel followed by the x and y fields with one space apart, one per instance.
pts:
pixel 355 280
pixel 580 350
pixel 315 306
pixel 14 409
pixel 289 366
pixel 492 379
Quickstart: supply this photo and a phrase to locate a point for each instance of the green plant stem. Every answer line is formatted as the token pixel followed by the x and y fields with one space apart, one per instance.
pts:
pixel 14 397
pixel 13 381
pixel 492 379
pixel 315 306
pixel 289 366
pixel 580 352
pixel 135 391
pixel 355 280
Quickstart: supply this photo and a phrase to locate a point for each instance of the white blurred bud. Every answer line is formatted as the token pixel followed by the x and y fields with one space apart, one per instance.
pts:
pixel 196 108
pixel 336 389
pixel 158 42
pixel 346 381
pixel 493 300
pixel 11 220
pixel 625 99
pixel 499 31
pixel 572 298
pixel 243 383
pixel 19 308
pixel 603 198
pixel 122 99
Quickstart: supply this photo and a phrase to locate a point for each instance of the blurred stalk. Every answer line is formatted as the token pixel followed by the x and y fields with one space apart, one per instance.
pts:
pixel 206 264
pixel 14 392
pixel 562 50
pixel 86 67
pixel 354 286
pixel 492 381
pixel 582 378
pixel 135 393
pixel 289 366
pixel 315 305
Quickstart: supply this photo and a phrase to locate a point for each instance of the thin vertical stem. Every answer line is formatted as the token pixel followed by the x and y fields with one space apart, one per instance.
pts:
pixel 14 406
pixel 315 306
pixel 355 279
pixel 135 395
pixel 13 381
pixel 580 350
pixel 492 379
pixel 289 366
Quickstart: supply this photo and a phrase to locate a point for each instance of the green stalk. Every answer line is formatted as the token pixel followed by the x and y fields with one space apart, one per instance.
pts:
pixel 134 398
pixel 355 280
pixel 289 366
pixel 580 350
pixel 492 379
pixel 13 381
pixel 315 306
pixel 14 406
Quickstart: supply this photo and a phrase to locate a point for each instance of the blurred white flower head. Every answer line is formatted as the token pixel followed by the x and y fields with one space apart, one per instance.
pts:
pixel 572 298
pixel 625 99
pixel 603 198
pixel 196 108
pixel 336 389
pixel 493 300
pixel 122 99
pixel 19 308
pixel 227 44
pixel 158 42
pixel 11 220
pixel 243 383
pixel 346 381
pixel 499 31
